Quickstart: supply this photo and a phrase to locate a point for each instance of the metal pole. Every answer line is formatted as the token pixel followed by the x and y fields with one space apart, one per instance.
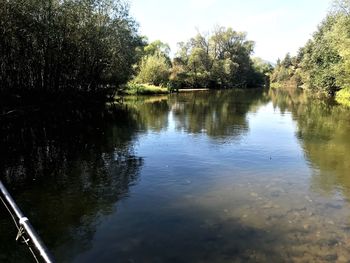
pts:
pixel 24 222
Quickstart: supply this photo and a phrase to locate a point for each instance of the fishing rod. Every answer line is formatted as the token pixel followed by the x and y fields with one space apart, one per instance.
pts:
pixel 24 227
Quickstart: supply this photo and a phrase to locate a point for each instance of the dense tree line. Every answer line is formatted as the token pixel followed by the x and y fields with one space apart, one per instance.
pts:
pixel 218 60
pixel 74 47
pixel 323 64
pixel 65 45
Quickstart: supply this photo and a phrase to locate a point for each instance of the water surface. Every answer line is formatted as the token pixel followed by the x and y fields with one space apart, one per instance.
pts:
pixel 225 176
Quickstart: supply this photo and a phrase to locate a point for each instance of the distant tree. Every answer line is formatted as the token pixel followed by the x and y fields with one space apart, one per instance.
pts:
pixel 155 64
pixel 157 48
pixel 154 69
pixel 287 61
pixel 221 59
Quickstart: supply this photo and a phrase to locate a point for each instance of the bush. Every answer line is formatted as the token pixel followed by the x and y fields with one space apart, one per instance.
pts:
pixel 154 70
pixel 343 96
pixel 133 88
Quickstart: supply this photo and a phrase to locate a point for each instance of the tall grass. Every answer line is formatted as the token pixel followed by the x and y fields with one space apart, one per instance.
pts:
pixel 144 89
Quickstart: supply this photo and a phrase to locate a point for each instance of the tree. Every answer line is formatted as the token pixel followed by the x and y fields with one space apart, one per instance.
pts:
pixel 262 71
pixel 157 48
pixel 340 37
pixel 65 46
pixel 323 64
pixel 154 65
pixel 221 59
pixel 287 61
pixel 320 58
pixel 154 69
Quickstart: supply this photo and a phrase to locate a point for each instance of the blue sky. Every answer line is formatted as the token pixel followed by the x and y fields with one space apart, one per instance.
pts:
pixel 277 26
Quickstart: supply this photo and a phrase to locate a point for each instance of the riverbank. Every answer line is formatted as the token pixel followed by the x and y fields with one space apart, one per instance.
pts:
pixel 144 89
pixel 147 89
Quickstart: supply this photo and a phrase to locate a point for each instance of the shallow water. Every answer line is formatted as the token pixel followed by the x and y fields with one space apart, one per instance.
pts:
pixel 226 176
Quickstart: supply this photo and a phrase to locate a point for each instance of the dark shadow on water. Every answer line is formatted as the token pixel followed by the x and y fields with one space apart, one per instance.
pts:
pixel 66 169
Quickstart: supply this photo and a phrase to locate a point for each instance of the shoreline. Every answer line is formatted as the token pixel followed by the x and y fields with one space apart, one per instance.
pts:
pixel 191 90
pixel 147 89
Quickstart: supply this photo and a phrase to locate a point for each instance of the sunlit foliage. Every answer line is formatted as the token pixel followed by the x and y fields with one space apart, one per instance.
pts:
pixel 218 60
pixel 323 64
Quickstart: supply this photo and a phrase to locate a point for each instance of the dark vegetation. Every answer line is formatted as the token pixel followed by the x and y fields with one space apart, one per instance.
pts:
pixel 54 50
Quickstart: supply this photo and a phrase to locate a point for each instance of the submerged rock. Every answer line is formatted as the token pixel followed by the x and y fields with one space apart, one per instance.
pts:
pixel 254 194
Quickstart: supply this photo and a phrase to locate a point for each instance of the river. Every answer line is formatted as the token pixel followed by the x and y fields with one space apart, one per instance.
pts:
pixel 212 176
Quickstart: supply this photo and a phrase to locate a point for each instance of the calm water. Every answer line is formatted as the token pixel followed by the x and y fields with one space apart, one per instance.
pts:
pixel 236 176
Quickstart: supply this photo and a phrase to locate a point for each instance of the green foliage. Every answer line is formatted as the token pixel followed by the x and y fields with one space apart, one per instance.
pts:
pixel 178 74
pixel 261 72
pixel 340 36
pixel 157 48
pixel 276 85
pixel 144 89
pixel 283 71
pixel 154 66
pixel 287 61
pixel 154 69
pixel 343 97
pixel 323 64
pixel 320 58
pixel 70 45
pixel 262 66
pixel 219 60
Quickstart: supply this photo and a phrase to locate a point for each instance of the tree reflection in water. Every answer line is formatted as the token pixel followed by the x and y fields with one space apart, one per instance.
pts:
pixel 65 170
pixel 70 174
pixel 219 114
pixel 323 130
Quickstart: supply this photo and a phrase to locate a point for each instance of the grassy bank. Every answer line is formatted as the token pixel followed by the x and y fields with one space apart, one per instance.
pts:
pixel 147 89
pixel 144 89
